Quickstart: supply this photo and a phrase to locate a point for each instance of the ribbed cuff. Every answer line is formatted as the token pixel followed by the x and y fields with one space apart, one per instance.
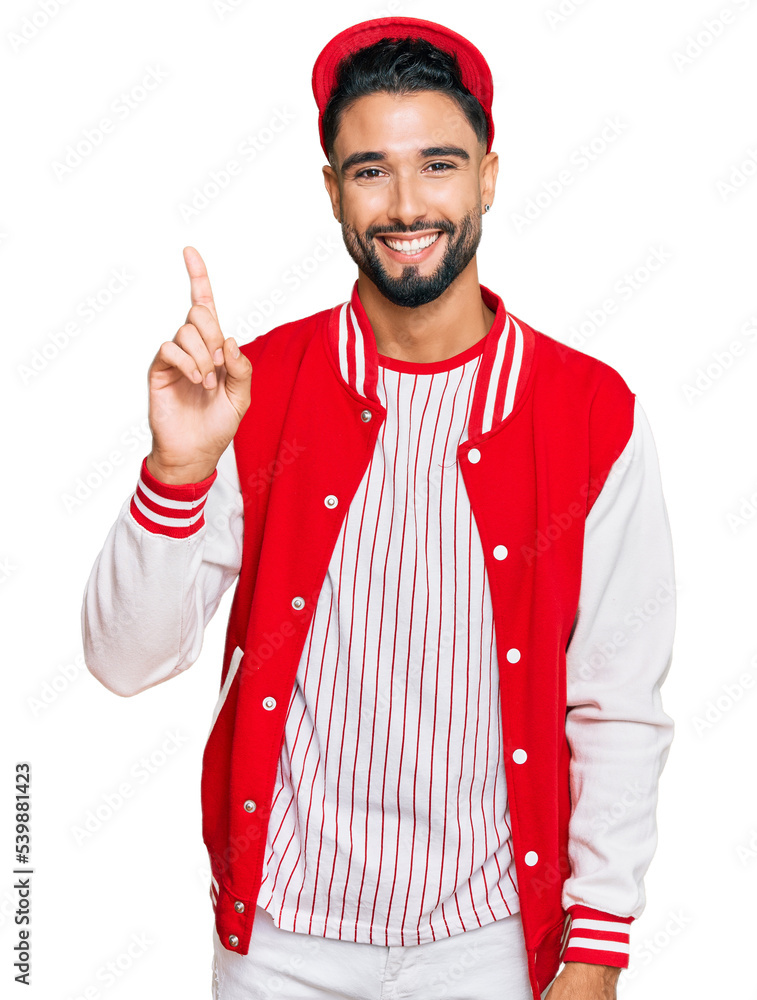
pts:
pixel 597 937
pixel 169 508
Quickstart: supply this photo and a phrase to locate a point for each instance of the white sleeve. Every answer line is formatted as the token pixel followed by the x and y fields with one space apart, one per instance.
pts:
pixel 617 659
pixel 171 554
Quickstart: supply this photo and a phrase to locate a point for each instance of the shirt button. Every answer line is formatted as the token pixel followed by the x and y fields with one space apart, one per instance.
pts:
pixel 513 655
pixel 500 552
pixel 365 416
pixel 331 500
pixel 519 756
pixel 531 858
pixel 474 455
pixel 269 703
pixel 233 940
pixel 250 806
pixel 239 906
pixel 298 603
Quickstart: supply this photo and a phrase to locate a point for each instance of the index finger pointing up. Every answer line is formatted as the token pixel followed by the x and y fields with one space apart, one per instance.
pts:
pixel 199 283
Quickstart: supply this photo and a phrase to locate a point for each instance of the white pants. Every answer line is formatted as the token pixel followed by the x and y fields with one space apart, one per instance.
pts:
pixel 486 963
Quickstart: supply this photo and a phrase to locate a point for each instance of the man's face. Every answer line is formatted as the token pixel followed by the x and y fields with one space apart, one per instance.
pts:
pixel 410 167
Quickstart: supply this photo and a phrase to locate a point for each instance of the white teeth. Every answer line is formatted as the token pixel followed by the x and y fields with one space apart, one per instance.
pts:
pixel 412 246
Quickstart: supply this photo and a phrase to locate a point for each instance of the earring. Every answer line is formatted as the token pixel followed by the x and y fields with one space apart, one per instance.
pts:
pixel 487 207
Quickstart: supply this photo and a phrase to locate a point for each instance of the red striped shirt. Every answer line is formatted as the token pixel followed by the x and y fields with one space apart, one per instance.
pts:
pixel 390 821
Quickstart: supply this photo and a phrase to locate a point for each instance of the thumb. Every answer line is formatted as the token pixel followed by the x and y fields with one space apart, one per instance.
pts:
pixel 238 372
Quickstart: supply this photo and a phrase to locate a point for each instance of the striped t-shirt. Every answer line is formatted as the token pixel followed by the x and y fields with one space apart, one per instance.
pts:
pixel 390 821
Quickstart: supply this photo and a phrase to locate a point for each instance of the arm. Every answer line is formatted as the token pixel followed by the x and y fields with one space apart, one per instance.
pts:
pixel 617 659
pixel 171 554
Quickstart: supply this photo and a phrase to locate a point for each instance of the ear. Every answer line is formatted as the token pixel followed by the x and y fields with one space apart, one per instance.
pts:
pixel 488 177
pixel 331 180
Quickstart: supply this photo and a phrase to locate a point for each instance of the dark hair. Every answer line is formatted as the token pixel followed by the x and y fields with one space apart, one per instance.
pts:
pixel 398 66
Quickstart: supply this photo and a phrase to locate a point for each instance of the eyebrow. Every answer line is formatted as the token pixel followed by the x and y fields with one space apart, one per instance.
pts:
pixel 373 156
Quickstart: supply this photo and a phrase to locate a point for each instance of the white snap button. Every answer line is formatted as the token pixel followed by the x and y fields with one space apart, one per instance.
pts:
pixel 239 906
pixel 519 756
pixel 233 940
pixel 513 655
pixel 331 500
pixel 474 455
pixel 250 806
pixel 366 416
pixel 298 603
pixel 500 552
pixel 269 703
pixel 531 858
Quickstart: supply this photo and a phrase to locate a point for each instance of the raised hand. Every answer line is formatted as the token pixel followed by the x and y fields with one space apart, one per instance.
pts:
pixel 199 387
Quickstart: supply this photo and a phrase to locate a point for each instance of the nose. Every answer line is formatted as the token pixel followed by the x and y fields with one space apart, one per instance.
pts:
pixel 407 203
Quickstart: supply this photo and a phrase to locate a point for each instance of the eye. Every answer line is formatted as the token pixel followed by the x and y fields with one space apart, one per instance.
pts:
pixel 375 170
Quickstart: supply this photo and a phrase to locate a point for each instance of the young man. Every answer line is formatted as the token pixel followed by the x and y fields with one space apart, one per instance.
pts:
pixel 439 733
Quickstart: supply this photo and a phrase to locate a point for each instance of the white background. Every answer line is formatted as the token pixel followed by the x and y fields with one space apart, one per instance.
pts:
pixel 685 129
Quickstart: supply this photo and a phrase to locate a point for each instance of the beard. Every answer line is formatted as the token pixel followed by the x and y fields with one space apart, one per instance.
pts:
pixel 412 288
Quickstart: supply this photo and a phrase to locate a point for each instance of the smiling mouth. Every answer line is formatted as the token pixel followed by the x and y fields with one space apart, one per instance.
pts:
pixel 410 247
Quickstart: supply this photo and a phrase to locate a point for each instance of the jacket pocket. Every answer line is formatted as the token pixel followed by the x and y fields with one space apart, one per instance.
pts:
pixel 236 659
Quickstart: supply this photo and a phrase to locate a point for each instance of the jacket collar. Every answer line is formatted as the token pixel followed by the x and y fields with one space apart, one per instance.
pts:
pixel 501 376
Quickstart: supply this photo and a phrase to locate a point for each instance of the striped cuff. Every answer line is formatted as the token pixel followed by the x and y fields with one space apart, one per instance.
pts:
pixel 597 937
pixel 168 508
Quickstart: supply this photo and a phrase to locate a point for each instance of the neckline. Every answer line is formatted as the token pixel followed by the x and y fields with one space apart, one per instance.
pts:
pixel 490 298
pixel 502 378
pixel 432 367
